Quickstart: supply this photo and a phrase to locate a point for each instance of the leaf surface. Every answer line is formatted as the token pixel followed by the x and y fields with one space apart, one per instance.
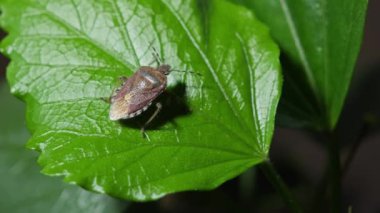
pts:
pixel 23 188
pixel 67 55
pixel 320 40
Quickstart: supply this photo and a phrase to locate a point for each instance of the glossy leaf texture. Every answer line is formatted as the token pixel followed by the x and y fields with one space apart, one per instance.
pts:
pixel 67 55
pixel 23 187
pixel 320 41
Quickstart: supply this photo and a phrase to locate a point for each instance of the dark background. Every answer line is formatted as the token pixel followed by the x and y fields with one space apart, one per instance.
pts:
pixel 301 152
pixel 299 157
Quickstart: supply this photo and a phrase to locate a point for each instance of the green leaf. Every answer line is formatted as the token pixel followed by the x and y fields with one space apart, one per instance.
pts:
pixel 23 188
pixel 67 55
pixel 320 40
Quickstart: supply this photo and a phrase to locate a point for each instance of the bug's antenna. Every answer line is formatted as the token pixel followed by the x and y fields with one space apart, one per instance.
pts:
pixel 157 56
pixel 197 73
pixel 160 61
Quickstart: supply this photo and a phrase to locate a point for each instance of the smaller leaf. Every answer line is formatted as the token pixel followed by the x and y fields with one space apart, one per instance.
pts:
pixel 320 41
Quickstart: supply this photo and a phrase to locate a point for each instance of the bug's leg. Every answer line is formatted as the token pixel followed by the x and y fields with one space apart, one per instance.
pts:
pixel 158 109
pixel 123 79
pixel 106 99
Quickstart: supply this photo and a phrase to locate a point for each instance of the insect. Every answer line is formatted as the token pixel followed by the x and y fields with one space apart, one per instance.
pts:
pixel 138 92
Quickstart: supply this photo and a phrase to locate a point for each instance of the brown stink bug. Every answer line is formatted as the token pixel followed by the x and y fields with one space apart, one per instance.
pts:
pixel 137 93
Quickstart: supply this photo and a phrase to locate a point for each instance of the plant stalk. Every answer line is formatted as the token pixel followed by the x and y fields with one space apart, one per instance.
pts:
pixel 277 182
pixel 247 182
pixel 354 148
pixel 335 173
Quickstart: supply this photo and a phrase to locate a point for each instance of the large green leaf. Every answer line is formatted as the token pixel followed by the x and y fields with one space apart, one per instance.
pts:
pixel 320 40
pixel 23 188
pixel 66 55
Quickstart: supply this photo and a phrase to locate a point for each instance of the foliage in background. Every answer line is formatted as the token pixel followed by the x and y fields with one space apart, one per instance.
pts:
pixel 320 41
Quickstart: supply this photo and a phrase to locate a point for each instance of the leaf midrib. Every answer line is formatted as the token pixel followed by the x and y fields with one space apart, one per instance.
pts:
pixel 253 98
pixel 299 47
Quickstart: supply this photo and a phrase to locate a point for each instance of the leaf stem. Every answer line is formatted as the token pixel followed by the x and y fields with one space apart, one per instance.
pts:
pixel 353 150
pixel 277 182
pixel 335 173
pixel 247 182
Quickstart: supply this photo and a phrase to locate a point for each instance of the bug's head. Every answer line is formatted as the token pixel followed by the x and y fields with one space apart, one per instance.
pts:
pixel 164 69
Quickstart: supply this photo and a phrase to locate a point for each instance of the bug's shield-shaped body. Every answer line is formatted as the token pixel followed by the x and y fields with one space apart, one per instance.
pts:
pixel 137 93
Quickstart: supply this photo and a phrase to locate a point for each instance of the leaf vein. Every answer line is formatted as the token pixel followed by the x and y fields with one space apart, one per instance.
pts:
pixel 124 32
pixel 188 171
pixel 96 44
pixel 299 46
pixel 206 61
pixel 253 98
pixel 156 146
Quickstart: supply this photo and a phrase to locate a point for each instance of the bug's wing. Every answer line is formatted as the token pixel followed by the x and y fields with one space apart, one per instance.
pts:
pixel 126 103
pixel 144 98
pixel 119 108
